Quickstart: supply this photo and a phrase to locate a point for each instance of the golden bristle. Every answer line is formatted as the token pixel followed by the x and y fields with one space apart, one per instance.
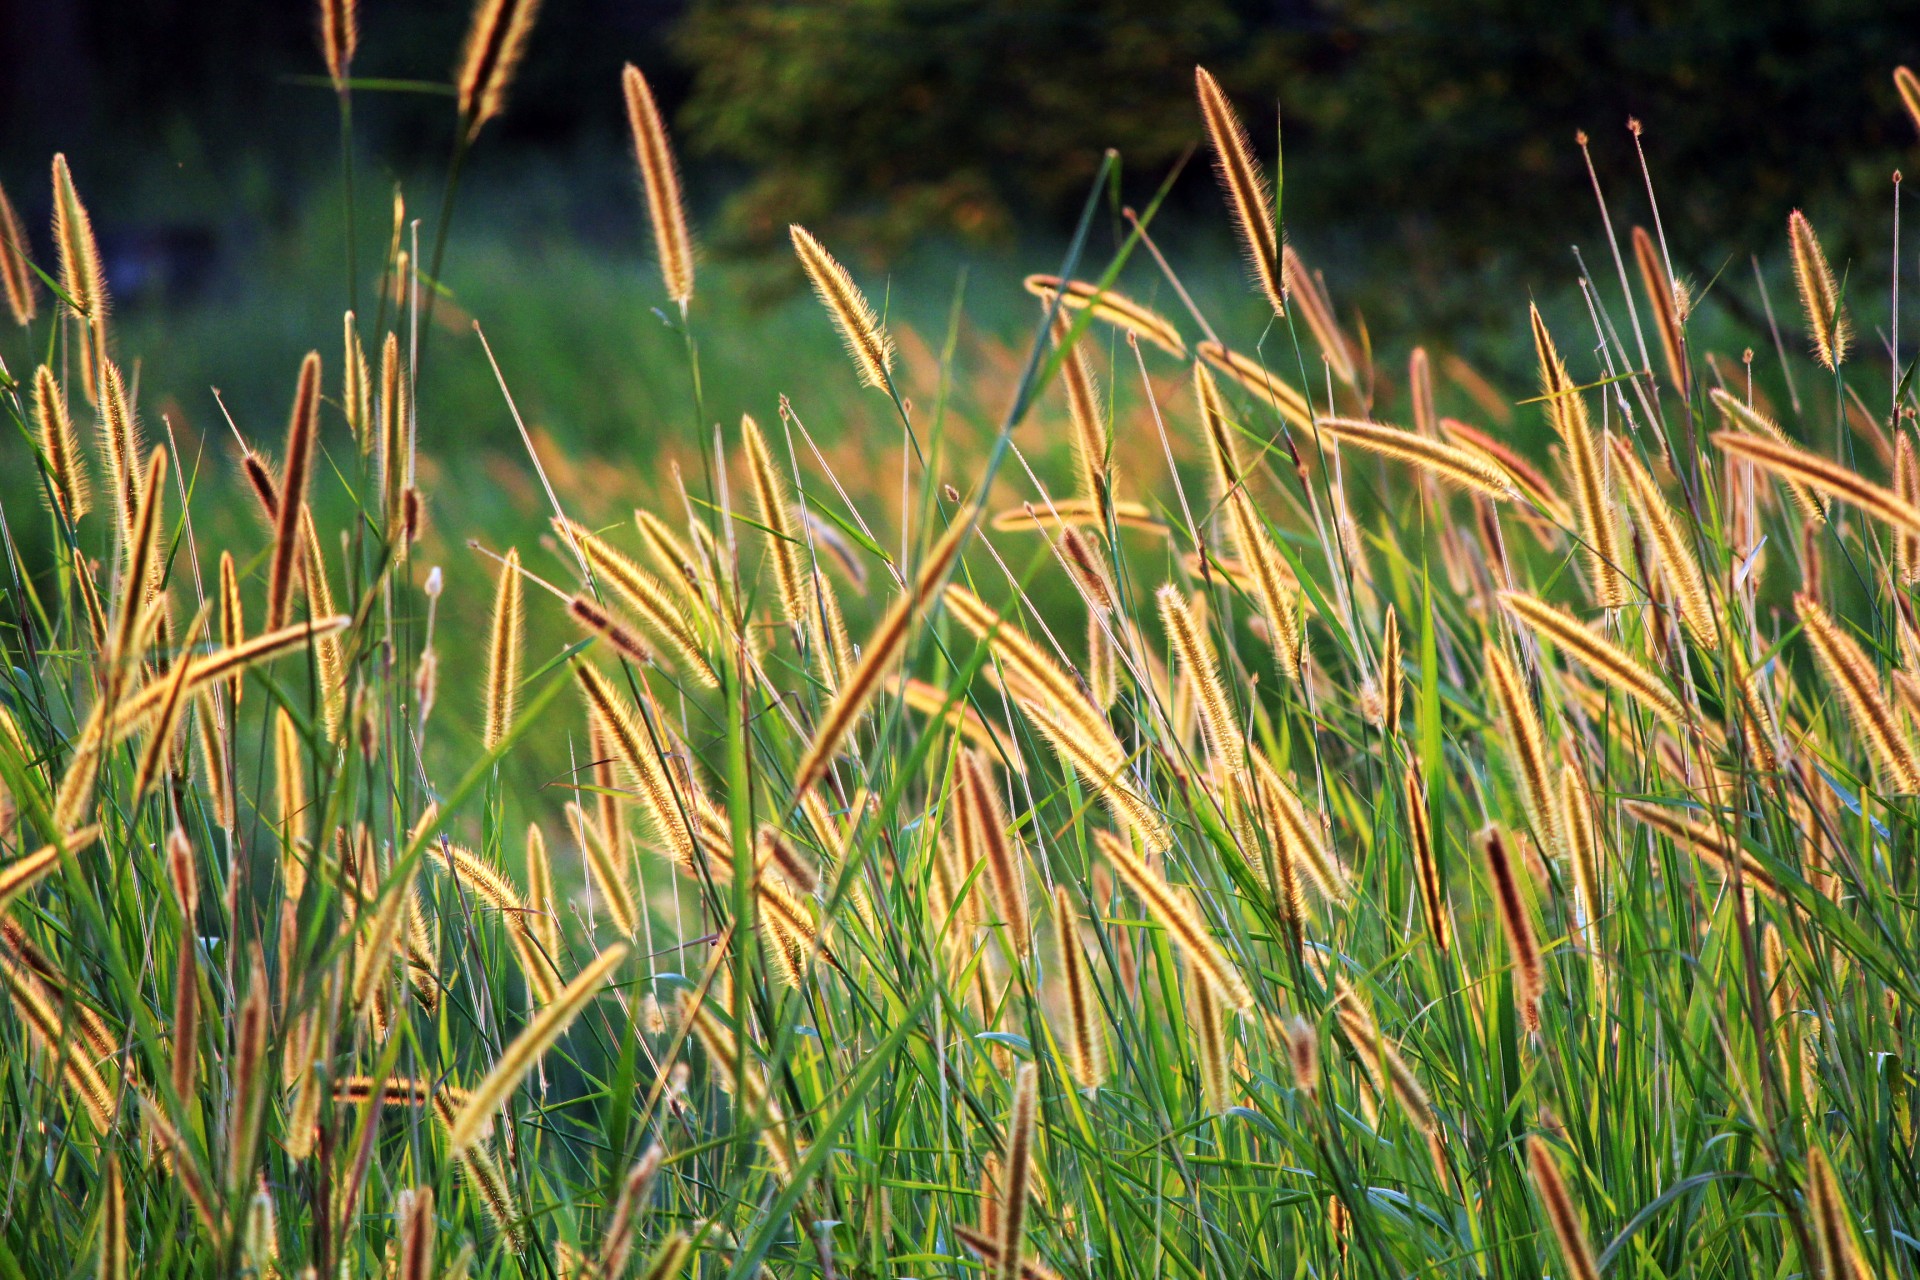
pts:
pixel 1086 1033
pixel 1598 654
pixel 1067 513
pixel 1534 486
pixel 1797 465
pixel 607 870
pixel 1515 706
pixel 1117 310
pixel 867 341
pixel 330 660
pixel 1306 292
pixel 1854 678
pixel 589 614
pixel 1103 664
pixel 1041 681
pixel 1091 443
pixel 542 922
pixel 1746 418
pixel 82 278
pixel 1382 1059
pixel 214 756
pixel 1460 467
pixel 1561 1215
pixel 1827 324
pixel 16 277
pixel 416 1236
pixel 963 719
pixel 69 491
pixel 1663 298
pixel 998 848
pixel 1671 546
pixel 505 638
pixel 1254 378
pixel 883 648
pixel 1704 840
pixel 1101 766
pixel 356 385
pixel 1245 185
pixel 1275 588
pixel 1012 1215
pixel 1175 913
pixel 527 1048
pixel 661 177
pixel 143 552
pixel 1207 1022
pixel 1297 832
pixel 21 874
pixel 303 429
pixel 167 719
pixel 134 711
pixel 1393 682
pixel 1529 971
pixel 1083 561
pixel 1433 900
pixel 1599 531
pixel 1583 850
pixel 114 1253
pixel 1194 653
pixel 290 801
pixel 1837 1253
pixel 1908 86
pixel 251 1081
pixel 785 543
pixel 618 1243
pixel 121 443
pixel 658 607
pixel 1906 483
pixel 634 743
pixel 339 37
pixel 495 42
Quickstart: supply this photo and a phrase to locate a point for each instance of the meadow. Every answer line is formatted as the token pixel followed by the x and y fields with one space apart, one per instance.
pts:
pixel 847 791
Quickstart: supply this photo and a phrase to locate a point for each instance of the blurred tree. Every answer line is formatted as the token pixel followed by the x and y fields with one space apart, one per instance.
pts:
pixel 1442 129
pixel 901 116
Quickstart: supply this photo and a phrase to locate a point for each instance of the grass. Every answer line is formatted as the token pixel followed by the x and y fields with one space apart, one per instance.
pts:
pixel 1481 931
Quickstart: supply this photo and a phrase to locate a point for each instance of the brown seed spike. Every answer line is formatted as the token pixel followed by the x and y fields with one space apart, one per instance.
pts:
pixel 661 178
pixel 1561 1214
pixel 1598 530
pixel 1529 973
pixel 1827 324
pixel 1086 1033
pixel 1091 441
pixel 82 278
pixel 1853 676
pixel 1515 706
pixel 496 40
pixel 1019 1169
pixel 867 340
pixel 303 429
pixel 339 37
pixel 883 648
pixel 1248 194
pixel 1663 299
pixel 1306 291
pixel 1115 309
pixel 16 280
pixel 1909 87
pixel 1426 865
pixel 987 822
pixel 507 637
pixel 68 489
pixel 1799 466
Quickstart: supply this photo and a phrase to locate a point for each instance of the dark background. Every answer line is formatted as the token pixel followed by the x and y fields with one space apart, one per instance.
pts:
pixel 1431 142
